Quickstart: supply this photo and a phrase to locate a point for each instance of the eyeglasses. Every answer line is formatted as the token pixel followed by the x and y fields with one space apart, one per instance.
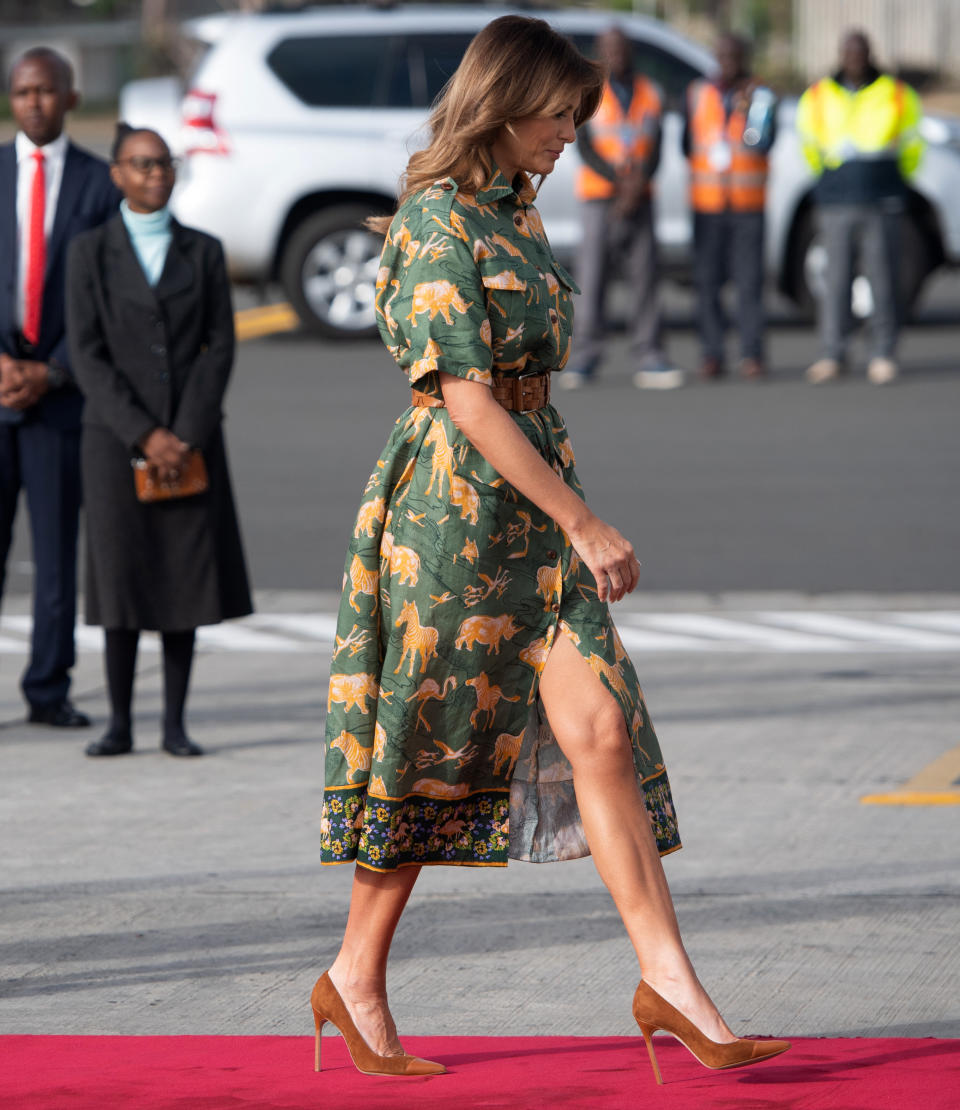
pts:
pixel 148 165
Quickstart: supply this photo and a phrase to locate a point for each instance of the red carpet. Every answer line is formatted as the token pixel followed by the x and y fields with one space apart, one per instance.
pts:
pixel 489 1073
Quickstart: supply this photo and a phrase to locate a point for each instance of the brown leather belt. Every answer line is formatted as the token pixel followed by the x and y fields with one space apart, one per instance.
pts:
pixel 522 393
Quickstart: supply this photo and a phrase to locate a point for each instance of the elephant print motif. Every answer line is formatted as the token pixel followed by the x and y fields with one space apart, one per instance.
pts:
pixel 486 630
pixel 353 690
pixel 437 297
pixel 405 562
pixel 356 755
pixel 417 639
pixel 487 698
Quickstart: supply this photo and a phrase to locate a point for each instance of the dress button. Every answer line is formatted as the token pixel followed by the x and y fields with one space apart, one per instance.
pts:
pixel 518 219
pixel 163 375
pixel 158 349
pixel 551 554
pixel 555 607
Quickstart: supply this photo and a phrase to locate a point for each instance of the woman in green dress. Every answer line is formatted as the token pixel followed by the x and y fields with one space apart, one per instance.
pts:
pixel 481 704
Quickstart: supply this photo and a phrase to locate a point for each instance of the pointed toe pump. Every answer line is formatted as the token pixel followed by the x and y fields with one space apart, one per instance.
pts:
pixel 653 1012
pixel 329 1006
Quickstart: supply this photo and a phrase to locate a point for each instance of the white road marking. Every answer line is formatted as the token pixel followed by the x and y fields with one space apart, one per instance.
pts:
pixel 787 631
pixel 855 629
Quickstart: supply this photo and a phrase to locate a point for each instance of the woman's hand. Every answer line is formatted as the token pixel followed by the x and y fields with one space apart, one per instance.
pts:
pixel 493 433
pixel 610 558
pixel 167 452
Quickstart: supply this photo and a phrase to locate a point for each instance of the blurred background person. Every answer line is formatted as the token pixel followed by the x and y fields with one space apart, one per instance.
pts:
pixel 859 132
pixel 49 191
pixel 729 127
pixel 620 150
pixel 151 333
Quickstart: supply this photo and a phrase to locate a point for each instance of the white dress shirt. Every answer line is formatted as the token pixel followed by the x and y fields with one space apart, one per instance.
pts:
pixel 54 156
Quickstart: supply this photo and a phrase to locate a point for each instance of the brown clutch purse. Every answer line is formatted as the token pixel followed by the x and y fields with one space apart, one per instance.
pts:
pixel 191 480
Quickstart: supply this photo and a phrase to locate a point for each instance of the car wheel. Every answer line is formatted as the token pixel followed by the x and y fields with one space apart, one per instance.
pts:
pixel 808 266
pixel 329 272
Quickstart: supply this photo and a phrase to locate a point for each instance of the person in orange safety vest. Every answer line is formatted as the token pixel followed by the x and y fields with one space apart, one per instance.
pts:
pixel 620 150
pixel 729 127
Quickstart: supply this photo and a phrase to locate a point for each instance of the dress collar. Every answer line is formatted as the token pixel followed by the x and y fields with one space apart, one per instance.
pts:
pixel 497 188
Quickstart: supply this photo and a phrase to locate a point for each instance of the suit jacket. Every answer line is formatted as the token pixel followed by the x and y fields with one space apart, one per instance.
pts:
pixel 87 198
pixel 148 357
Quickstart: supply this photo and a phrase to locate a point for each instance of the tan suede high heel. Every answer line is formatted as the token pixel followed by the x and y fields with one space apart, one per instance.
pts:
pixel 327 1005
pixel 653 1012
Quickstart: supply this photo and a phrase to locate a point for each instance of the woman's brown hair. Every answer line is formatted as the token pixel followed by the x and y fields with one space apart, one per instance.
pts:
pixel 514 68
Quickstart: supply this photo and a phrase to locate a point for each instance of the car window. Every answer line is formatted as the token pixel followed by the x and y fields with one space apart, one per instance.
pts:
pixel 433 59
pixel 671 73
pixel 338 71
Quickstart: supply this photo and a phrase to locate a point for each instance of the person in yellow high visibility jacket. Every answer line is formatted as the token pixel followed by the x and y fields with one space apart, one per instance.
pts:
pixel 620 151
pixel 859 130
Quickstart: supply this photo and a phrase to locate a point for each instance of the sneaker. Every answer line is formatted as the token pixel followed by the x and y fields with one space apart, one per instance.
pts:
pixel 573 379
pixel 882 371
pixel 823 370
pixel 659 377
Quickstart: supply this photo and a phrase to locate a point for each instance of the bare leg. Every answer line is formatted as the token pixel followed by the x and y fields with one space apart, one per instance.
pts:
pixel 590 730
pixel 360 970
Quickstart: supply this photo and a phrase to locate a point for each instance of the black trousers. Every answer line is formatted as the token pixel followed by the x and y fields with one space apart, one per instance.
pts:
pixel 45 463
pixel 729 245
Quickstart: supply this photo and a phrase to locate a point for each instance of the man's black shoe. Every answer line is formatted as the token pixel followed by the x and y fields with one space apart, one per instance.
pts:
pixel 61 715
pixel 111 743
pixel 178 743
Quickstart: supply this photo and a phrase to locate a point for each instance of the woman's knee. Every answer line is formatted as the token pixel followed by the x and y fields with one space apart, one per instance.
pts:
pixel 596 740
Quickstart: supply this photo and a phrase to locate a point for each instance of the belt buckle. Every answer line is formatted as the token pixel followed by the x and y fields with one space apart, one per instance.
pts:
pixel 518 391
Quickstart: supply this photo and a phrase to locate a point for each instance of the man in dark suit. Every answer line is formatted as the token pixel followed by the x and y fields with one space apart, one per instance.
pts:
pixel 49 191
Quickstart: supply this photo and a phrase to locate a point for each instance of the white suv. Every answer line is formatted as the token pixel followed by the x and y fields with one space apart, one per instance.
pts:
pixel 296 127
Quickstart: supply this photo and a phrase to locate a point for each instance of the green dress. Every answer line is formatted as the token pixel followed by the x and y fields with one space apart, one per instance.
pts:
pixel 456 585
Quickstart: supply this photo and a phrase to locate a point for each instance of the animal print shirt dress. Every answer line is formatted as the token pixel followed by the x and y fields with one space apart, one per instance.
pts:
pixel 456 585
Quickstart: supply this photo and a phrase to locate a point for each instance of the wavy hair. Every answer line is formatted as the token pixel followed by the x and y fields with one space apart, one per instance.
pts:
pixel 516 67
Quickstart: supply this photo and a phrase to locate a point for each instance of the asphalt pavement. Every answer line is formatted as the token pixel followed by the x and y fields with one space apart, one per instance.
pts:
pixel 149 895
pixel 797 637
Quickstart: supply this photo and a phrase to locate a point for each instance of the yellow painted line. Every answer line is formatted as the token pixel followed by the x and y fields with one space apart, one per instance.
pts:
pixel 268 319
pixel 913 798
pixel 936 785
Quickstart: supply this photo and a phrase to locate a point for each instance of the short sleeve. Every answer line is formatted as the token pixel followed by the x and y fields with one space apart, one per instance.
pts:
pixel 430 303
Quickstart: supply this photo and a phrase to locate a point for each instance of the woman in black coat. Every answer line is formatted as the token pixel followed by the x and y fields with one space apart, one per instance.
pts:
pixel 151 336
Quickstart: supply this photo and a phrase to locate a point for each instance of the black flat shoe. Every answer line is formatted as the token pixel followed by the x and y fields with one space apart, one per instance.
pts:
pixel 61 715
pixel 111 743
pixel 180 744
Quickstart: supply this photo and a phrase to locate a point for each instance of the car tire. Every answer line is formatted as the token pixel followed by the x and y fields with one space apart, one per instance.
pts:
pixel 328 269
pixel 807 260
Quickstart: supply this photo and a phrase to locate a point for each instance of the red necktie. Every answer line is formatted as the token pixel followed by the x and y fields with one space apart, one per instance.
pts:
pixel 36 252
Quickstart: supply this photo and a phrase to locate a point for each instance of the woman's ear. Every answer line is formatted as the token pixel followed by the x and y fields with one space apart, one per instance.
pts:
pixel 116 176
